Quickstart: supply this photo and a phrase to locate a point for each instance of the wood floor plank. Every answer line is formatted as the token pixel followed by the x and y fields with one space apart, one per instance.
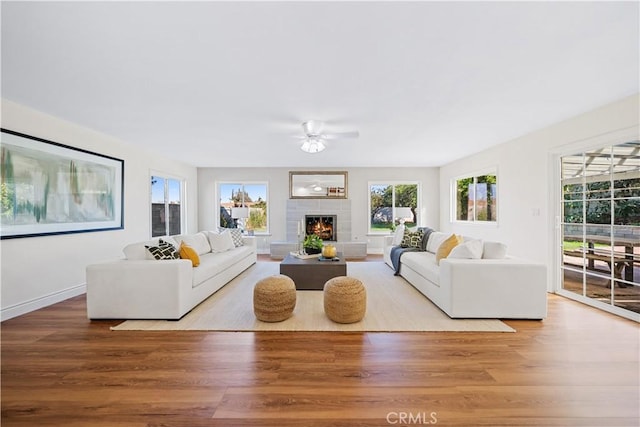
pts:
pixel 578 367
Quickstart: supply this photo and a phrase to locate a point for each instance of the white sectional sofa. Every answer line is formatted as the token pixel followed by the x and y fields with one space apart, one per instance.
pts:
pixel 142 287
pixel 503 287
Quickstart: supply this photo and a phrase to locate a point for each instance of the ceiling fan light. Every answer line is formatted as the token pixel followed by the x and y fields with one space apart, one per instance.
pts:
pixel 312 145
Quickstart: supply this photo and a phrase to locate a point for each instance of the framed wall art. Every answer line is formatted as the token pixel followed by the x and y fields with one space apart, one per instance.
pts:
pixel 50 188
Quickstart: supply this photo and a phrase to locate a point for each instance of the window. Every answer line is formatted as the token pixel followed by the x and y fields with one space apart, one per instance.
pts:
pixel 245 206
pixel 477 198
pixel 391 204
pixel 166 206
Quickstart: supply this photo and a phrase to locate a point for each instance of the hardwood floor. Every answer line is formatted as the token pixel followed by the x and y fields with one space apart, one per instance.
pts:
pixel 579 367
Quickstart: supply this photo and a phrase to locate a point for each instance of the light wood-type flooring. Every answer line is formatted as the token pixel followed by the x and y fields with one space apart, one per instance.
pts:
pixel 579 367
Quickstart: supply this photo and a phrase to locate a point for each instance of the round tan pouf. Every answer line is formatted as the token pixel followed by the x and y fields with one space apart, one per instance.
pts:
pixel 274 298
pixel 345 299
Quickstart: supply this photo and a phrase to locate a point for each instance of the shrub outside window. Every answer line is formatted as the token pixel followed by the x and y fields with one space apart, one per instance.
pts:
pixel 252 196
pixel 477 198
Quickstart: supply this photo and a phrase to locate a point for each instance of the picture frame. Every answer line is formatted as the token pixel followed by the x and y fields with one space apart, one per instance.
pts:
pixel 48 188
pixel 318 184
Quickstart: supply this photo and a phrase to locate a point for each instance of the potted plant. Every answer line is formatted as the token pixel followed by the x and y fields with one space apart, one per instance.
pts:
pixel 312 244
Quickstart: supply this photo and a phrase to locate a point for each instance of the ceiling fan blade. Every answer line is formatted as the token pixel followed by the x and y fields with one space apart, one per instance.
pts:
pixel 340 135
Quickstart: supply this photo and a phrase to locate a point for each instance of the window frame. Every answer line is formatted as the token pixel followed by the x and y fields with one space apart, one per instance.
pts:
pixel 454 197
pixel 393 183
pixel 243 183
pixel 183 202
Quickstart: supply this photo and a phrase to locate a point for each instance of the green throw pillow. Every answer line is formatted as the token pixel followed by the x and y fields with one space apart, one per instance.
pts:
pixel 412 239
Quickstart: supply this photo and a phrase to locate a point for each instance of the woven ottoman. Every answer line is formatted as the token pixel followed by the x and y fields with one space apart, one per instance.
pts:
pixel 345 299
pixel 274 298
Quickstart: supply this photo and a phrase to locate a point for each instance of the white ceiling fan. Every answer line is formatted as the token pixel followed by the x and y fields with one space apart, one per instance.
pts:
pixel 314 137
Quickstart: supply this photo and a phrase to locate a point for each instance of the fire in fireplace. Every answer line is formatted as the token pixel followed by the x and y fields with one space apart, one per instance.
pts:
pixel 322 225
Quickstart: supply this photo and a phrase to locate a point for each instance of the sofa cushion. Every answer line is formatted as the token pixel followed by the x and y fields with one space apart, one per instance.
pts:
pixel 187 252
pixel 471 249
pixel 398 235
pixel 435 240
pixel 163 250
pixel 425 238
pixel 138 251
pixel 494 250
pixel 199 242
pixel 412 239
pixel 220 242
pixel 212 264
pixel 236 235
pixel 423 263
pixel 447 246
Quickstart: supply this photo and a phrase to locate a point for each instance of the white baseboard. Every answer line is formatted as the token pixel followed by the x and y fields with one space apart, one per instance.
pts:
pixel 28 306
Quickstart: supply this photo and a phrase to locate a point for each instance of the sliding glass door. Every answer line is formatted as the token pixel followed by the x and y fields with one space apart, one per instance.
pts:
pixel 600 227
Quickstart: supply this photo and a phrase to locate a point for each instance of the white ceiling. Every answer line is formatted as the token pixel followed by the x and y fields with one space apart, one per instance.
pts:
pixel 228 83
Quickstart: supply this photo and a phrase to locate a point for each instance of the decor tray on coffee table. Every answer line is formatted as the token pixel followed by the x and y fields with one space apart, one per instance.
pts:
pixel 312 274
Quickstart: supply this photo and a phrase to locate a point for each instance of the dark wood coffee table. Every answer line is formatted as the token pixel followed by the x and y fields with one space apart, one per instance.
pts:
pixel 311 274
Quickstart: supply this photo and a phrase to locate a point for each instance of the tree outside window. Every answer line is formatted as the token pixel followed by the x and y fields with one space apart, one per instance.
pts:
pixel 477 198
pixel 244 195
pixel 392 204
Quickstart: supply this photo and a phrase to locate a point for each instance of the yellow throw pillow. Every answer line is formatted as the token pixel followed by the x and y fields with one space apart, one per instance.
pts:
pixel 447 246
pixel 187 252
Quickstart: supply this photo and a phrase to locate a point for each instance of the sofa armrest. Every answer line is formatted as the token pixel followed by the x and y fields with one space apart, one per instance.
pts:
pixel 139 289
pixel 505 288
pixel 388 240
pixel 250 241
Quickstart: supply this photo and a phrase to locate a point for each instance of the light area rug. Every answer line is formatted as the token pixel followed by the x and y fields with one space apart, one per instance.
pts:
pixel 393 305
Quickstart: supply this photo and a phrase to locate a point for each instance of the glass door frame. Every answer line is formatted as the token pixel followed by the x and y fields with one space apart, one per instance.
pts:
pixel 556 242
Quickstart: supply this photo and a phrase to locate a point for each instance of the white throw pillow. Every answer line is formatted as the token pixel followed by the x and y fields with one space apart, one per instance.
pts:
pixel 467 250
pixel 399 234
pixel 494 250
pixel 236 235
pixel 135 251
pixel 199 242
pixel 220 242
pixel 435 240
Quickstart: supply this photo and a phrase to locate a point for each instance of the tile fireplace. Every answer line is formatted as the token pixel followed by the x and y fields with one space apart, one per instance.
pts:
pixel 339 210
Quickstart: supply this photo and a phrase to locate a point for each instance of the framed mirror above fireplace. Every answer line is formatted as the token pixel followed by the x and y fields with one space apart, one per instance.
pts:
pixel 318 185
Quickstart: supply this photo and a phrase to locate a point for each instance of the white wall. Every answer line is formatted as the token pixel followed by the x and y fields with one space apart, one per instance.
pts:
pixel 525 183
pixel 38 271
pixel 358 193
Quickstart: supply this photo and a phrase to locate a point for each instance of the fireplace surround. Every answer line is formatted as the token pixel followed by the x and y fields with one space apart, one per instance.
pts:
pixel 299 209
